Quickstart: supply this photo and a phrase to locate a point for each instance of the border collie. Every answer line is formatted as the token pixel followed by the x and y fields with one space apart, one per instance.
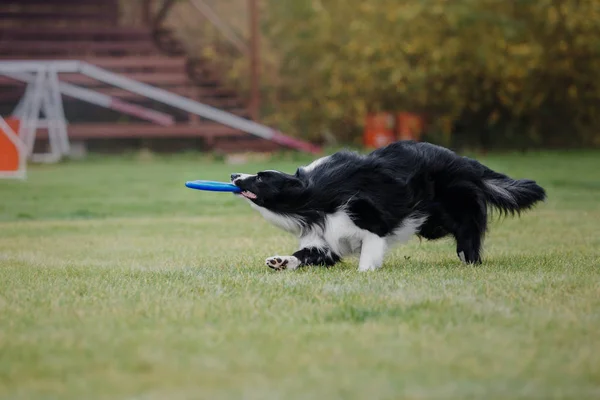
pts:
pixel 348 203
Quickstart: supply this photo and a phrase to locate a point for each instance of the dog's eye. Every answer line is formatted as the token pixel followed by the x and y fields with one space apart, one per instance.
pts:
pixel 258 178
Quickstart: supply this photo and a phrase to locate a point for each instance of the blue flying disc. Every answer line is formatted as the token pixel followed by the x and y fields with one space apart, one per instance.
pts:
pixel 213 186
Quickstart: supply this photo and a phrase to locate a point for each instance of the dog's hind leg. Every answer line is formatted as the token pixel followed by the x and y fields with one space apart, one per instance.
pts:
pixel 464 214
pixel 468 245
pixel 471 225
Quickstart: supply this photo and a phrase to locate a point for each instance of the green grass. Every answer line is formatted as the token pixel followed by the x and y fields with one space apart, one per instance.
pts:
pixel 116 282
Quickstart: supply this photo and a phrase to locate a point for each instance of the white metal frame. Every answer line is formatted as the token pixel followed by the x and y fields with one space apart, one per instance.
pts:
pixel 43 95
pixel 44 91
pixel 100 99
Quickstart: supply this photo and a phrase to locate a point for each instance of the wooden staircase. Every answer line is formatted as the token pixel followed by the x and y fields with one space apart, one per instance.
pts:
pixel 88 30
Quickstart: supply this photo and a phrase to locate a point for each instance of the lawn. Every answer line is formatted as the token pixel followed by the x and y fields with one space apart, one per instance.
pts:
pixel 117 282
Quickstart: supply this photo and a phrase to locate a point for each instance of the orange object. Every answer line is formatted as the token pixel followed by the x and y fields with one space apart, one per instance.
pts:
pixel 409 126
pixel 9 153
pixel 379 130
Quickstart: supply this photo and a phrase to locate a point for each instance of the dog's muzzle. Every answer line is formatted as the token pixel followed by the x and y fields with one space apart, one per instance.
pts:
pixel 236 180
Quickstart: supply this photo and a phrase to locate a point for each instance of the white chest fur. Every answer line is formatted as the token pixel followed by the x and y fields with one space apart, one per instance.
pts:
pixel 339 233
pixel 281 221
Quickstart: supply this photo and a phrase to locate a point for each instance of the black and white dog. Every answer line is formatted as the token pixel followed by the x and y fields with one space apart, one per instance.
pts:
pixel 348 203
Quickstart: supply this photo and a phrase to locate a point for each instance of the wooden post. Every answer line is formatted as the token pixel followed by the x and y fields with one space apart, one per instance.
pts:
pixel 113 9
pixel 193 118
pixel 147 12
pixel 254 106
pixel 162 14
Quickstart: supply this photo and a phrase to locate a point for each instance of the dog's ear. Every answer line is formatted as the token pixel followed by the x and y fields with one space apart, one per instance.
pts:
pixel 295 183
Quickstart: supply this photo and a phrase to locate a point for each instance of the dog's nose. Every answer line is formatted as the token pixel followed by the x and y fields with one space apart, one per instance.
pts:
pixel 235 176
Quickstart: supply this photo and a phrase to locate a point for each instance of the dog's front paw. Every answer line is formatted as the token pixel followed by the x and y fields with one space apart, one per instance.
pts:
pixel 279 263
pixel 365 268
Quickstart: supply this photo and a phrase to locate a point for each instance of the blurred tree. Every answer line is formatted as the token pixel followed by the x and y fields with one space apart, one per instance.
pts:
pixel 520 72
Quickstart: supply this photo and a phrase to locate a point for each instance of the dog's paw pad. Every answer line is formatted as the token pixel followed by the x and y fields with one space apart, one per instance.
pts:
pixel 279 263
pixel 276 263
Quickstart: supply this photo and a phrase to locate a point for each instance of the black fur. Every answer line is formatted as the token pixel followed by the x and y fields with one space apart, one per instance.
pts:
pixel 316 256
pixel 381 189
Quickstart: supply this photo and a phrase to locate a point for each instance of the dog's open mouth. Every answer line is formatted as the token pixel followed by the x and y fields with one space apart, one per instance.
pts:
pixel 245 193
pixel 248 195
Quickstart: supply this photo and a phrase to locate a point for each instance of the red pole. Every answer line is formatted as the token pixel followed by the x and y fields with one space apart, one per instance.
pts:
pixel 254 106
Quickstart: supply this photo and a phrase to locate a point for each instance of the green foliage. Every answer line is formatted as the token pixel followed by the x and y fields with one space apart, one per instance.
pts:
pixel 523 71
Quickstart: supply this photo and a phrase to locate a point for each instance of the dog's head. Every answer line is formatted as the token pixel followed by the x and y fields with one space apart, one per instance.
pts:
pixel 270 189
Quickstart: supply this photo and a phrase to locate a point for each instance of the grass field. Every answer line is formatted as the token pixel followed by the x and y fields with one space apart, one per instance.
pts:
pixel 116 282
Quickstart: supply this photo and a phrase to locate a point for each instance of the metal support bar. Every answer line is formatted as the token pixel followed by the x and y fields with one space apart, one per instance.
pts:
pixel 58 113
pixel 151 92
pixel 65 67
pixel 55 127
pixel 19 108
pixel 42 96
pixel 195 107
pixel 102 100
pixel 32 111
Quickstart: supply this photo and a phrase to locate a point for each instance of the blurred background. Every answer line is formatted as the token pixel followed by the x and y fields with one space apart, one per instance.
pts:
pixel 468 74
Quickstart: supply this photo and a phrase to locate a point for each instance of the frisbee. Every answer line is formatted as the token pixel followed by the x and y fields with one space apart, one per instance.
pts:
pixel 213 186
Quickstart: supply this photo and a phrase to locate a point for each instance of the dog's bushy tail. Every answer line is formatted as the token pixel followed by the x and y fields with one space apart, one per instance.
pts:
pixel 510 196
